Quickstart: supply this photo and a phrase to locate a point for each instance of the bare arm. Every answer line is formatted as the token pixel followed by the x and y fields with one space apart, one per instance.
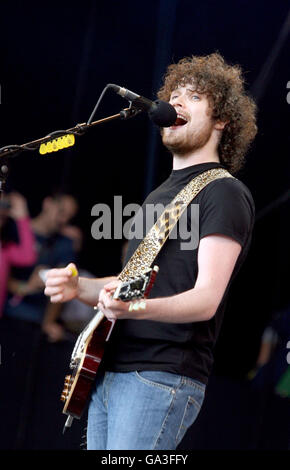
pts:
pixel 217 256
pixel 64 284
pixel 89 289
pixel 22 253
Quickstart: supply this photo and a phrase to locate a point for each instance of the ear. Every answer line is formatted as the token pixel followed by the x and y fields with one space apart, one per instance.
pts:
pixel 220 125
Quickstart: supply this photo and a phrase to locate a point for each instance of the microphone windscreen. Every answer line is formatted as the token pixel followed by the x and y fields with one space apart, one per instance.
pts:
pixel 163 114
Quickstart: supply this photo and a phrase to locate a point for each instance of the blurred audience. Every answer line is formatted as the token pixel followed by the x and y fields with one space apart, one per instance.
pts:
pixel 271 363
pixel 12 253
pixel 68 208
pixel 54 249
pixel 270 384
pixel 27 354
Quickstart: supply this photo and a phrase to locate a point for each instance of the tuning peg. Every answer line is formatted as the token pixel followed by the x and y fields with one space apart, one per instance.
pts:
pixel 64 394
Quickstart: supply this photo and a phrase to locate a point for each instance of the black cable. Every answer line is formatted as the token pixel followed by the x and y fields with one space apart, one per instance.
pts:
pixel 10 149
pixel 60 133
pixel 98 102
pixel 15 147
pixel 81 128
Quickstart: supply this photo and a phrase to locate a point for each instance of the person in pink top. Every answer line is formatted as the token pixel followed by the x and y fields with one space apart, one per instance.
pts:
pixel 12 253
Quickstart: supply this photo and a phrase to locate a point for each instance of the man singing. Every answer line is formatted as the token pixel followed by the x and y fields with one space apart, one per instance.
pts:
pixel 158 360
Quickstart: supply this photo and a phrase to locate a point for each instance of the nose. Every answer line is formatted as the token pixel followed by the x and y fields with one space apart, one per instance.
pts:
pixel 178 101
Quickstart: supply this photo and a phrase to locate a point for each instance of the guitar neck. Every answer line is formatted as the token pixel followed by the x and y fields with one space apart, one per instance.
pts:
pixel 92 325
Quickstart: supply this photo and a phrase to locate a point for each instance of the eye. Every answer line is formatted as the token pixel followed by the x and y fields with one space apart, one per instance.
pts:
pixel 195 97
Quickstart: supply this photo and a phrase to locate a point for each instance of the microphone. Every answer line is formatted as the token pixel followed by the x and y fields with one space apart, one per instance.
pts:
pixel 161 112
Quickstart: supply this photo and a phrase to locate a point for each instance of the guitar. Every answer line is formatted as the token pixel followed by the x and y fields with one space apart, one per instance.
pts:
pixel 90 346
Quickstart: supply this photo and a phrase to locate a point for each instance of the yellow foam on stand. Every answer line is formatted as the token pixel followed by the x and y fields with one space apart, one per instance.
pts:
pixel 55 145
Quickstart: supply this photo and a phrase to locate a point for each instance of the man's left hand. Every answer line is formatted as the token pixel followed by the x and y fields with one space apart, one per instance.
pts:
pixel 113 309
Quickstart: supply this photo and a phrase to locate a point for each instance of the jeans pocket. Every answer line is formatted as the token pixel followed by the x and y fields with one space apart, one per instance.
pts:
pixel 191 411
pixel 162 380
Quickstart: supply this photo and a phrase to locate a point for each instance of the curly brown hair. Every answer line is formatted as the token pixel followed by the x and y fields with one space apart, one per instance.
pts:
pixel 223 85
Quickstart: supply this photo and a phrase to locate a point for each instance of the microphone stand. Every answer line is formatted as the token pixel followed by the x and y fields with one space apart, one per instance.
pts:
pixel 13 150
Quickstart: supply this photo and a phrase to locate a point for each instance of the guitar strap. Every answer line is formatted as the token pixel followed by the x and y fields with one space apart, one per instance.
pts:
pixel 150 246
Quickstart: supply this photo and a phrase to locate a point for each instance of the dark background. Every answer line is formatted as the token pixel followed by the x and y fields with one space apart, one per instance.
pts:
pixel 56 58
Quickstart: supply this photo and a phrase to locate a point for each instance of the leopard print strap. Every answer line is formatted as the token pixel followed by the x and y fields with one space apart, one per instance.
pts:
pixel 150 246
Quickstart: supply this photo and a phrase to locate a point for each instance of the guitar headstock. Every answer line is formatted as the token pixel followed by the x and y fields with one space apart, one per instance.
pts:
pixel 138 287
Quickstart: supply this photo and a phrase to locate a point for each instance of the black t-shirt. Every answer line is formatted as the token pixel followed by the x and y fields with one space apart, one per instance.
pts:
pixel 225 207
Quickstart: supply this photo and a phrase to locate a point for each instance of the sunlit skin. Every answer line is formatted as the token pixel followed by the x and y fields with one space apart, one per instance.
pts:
pixel 195 141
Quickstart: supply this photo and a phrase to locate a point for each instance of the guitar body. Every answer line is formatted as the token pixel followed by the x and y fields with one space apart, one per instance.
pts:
pixel 81 380
pixel 90 347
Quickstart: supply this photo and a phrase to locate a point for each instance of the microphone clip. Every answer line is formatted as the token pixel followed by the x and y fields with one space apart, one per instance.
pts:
pixel 130 112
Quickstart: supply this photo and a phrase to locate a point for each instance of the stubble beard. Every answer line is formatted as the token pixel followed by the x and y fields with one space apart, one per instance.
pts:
pixel 183 145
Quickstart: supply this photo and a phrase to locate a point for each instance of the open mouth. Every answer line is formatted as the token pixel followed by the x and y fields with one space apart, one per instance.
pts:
pixel 180 121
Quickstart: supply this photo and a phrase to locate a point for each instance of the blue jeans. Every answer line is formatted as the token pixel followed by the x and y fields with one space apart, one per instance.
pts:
pixel 142 410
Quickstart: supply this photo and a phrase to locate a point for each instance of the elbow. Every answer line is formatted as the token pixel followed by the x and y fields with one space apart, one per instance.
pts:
pixel 31 258
pixel 30 261
pixel 210 312
pixel 214 299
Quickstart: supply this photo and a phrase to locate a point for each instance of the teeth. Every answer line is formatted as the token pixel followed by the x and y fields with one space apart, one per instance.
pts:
pixel 181 117
pixel 180 120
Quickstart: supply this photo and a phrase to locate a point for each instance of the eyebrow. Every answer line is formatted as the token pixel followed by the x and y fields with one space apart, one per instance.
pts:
pixel 190 88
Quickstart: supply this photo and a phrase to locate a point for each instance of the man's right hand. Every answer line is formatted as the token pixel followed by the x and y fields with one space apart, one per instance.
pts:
pixel 61 285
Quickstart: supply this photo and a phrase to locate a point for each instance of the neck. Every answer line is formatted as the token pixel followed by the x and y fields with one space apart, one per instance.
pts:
pixel 183 161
